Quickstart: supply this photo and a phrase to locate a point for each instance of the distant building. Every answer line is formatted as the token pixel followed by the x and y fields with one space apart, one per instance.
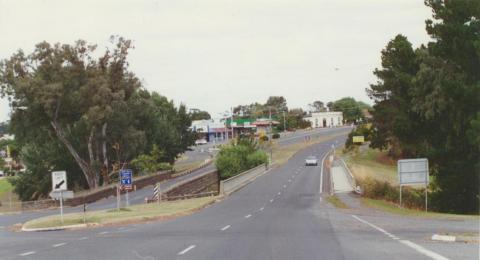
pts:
pixel 325 119
pixel 210 129
pixel 263 125
pixel 7 137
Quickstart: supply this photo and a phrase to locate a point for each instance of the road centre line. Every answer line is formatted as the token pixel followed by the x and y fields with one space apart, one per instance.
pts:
pixel 225 227
pixel 27 253
pixel 408 243
pixel 249 215
pixel 186 250
pixel 59 244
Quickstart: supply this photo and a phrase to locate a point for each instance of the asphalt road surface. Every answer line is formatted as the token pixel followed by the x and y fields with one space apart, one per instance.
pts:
pixel 281 215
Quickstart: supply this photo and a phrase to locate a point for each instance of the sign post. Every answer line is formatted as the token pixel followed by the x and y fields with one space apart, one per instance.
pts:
pixel 126 182
pixel 413 172
pixel 59 185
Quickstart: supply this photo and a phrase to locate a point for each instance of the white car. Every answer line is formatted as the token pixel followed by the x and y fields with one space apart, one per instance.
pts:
pixel 311 160
pixel 200 142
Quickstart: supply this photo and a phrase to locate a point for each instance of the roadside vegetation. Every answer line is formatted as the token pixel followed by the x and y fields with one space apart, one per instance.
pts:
pixel 335 201
pixel 427 103
pixel 83 111
pixel 238 157
pixel 133 214
pixel 394 209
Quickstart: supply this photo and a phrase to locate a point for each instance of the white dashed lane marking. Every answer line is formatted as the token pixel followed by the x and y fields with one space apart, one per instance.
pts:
pixel 59 244
pixel 186 250
pixel 27 253
pixel 249 215
pixel 225 227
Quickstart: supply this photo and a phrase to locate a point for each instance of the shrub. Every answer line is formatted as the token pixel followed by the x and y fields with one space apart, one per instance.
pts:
pixel 375 189
pixel 275 136
pixel 236 159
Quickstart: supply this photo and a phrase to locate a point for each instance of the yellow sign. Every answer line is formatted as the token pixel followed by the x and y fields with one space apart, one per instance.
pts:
pixel 358 139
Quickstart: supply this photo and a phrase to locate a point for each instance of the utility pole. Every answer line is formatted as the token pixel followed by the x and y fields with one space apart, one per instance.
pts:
pixel 231 120
pixel 270 138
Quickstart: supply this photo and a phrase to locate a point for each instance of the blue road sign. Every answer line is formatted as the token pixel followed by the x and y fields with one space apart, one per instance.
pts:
pixel 126 178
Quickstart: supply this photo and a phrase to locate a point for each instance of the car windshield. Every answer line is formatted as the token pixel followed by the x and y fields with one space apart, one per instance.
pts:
pixel 311 157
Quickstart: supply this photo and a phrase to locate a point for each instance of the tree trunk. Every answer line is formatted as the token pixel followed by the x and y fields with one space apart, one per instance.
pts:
pixel 104 152
pixel 86 170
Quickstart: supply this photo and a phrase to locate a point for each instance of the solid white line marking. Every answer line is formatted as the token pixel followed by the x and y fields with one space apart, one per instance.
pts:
pixel 423 250
pixel 186 250
pixel 408 243
pixel 59 244
pixel 225 227
pixel 321 173
pixel 262 208
pixel 83 238
pixel 27 253
pixel 249 215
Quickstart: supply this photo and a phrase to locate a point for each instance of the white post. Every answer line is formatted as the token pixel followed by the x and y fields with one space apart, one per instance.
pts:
pixel 126 199
pixel 426 200
pixel 118 198
pixel 400 195
pixel 61 206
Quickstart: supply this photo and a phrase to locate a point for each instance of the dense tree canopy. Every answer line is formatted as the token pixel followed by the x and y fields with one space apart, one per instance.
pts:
pixel 197 114
pixel 352 109
pixel 89 116
pixel 427 102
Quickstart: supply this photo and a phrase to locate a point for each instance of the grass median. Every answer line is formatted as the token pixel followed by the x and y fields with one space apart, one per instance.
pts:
pixel 133 214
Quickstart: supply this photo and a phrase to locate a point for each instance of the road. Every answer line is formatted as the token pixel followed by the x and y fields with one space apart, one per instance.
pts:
pixel 281 215
pixel 198 153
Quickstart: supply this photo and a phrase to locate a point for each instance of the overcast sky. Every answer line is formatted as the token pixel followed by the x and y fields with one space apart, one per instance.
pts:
pixel 214 54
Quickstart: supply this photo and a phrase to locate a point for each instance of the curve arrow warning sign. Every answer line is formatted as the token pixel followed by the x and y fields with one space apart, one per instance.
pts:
pixel 59 180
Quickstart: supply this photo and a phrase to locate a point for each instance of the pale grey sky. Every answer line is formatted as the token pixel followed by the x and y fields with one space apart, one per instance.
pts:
pixel 214 54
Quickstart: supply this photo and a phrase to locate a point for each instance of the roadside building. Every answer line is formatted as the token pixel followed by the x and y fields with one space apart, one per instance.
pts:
pixel 210 129
pixel 325 119
pixel 263 125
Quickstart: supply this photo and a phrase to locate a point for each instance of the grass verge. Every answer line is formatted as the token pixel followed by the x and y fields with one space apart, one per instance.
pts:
pixel 372 164
pixel 335 201
pixel 389 207
pixel 133 214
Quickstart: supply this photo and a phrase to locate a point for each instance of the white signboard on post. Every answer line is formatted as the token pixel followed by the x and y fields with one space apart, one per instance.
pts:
pixel 59 181
pixel 413 172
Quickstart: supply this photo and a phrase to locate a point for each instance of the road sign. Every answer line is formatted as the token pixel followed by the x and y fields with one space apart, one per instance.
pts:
pixel 59 180
pixel 358 139
pixel 412 171
pixel 126 179
pixel 67 194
